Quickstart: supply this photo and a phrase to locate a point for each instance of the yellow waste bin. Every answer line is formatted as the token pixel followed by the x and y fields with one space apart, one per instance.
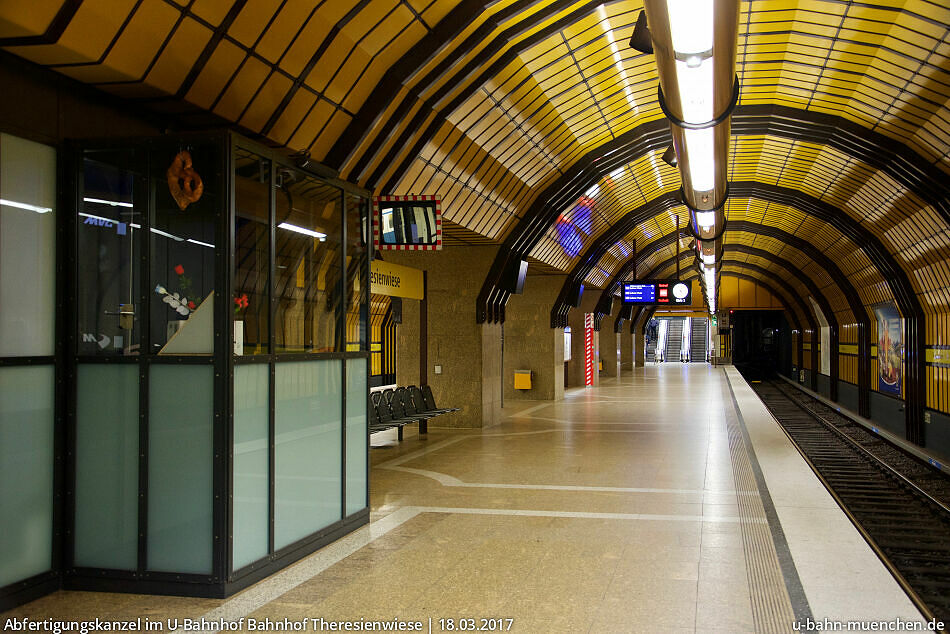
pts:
pixel 522 379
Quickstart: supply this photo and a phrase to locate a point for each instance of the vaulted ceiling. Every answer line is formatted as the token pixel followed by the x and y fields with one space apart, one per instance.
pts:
pixel 539 127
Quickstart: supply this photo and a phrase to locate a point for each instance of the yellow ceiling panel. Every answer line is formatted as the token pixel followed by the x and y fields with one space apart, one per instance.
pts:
pixel 435 11
pixel 266 101
pixel 305 45
pixel 291 117
pixel 251 21
pixel 246 81
pixel 371 15
pixel 213 11
pixel 87 36
pixel 340 51
pixel 221 66
pixel 334 128
pixel 281 32
pixel 178 58
pixel 32 22
pixel 141 38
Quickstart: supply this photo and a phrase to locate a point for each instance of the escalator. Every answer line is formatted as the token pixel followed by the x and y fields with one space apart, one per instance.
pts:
pixel 674 339
pixel 699 340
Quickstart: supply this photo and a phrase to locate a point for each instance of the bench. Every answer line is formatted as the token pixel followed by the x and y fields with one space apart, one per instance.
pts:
pixel 403 406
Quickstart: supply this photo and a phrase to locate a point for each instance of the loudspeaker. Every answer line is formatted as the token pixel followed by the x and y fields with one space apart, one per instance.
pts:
pixel 512 278
pixel 396 308
pixel 574 294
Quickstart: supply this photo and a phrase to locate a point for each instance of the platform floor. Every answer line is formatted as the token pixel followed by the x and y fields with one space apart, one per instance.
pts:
pixel 666 501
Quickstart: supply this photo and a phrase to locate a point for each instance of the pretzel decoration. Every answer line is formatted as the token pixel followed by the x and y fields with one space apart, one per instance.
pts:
pixel 184 184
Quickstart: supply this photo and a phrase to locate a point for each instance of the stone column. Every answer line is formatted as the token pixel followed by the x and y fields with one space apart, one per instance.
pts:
pixel 468 353
pixel 531 343
pixel 626 347
pixel 608 346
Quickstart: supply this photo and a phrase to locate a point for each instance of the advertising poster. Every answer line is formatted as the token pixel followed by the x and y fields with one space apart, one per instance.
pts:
pixel 890 348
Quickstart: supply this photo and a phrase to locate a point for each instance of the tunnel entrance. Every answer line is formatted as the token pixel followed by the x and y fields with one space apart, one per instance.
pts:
pixel 762 342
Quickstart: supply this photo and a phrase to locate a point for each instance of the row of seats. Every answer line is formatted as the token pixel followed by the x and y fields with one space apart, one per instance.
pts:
pixel 402 406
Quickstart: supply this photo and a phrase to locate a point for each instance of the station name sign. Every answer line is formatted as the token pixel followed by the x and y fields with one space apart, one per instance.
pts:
pixel 658 293
pixel 395 280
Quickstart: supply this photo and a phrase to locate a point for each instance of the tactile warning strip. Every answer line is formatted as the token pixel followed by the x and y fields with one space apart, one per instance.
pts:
pixel 776 593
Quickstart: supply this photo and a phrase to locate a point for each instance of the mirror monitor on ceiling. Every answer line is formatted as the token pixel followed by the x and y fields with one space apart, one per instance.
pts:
pixel 407 223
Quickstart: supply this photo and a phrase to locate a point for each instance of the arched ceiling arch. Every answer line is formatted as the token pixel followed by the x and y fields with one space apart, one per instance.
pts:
pixel 799 312
pixel 807 209
pixel 807 257
pixel 380 87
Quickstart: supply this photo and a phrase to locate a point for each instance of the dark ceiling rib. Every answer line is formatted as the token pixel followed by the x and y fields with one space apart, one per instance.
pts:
pixel 878 254
pixel 897 279
pixel 876 150
pixel 485 74
pixel 827 264
pixel 782 296
pixel 399 73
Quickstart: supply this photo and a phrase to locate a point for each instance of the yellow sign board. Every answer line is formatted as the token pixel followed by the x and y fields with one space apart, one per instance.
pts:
pixel 395 280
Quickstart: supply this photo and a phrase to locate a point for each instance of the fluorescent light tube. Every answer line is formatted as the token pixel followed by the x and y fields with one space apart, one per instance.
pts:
pixel 168 235
pixel 691 26
pixel 696 90
pixel 700 153
pixel 706 219
pixel 112 203
pixel 200 243
pixel 27 206
pixel 306 232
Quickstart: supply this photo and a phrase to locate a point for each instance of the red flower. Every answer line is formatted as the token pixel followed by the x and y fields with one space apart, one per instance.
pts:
pixel 180 270
pixel 191 305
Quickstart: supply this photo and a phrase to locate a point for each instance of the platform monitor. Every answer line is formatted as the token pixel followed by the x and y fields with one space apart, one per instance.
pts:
pixel 658 293
pixel 639 293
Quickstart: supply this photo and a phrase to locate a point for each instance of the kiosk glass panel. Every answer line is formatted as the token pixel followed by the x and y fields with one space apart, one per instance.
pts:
pixel 357 261
pixel 182 249
pixel 251 463
pixel 27 247
pixel 251 301
pixel 26 466
pixel 109 235
pixel 308 284
pixel 107 466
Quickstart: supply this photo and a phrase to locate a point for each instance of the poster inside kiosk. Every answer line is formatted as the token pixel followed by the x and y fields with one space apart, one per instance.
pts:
pixel 395 280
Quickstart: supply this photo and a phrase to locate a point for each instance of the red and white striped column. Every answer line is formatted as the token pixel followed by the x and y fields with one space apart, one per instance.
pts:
pixel 588 349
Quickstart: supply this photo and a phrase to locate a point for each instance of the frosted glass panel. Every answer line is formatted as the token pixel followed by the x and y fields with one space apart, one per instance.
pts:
pixel 107 466
pixel 308 459
pixel 27 247
pixel 251 489
pixel 357 435
pixel 180 453
pixel 26 471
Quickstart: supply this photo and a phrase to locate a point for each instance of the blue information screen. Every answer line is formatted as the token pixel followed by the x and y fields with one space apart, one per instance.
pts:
pixel 634 293
pixel 658 292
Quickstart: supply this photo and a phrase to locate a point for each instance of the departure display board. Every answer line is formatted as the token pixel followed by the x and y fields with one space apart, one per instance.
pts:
pixel 658 293
pixel 634 293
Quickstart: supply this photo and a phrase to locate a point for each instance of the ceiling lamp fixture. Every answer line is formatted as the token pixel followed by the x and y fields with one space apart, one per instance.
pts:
pixel 695 46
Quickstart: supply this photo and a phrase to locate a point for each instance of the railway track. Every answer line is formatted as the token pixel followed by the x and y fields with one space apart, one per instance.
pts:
pixel 896 501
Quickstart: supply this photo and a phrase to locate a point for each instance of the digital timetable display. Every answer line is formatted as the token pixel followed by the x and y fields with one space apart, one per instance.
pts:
pixel 658 293
pixel 639 293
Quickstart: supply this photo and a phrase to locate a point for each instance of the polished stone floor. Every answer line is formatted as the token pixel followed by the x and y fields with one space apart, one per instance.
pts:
pixel 666 501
